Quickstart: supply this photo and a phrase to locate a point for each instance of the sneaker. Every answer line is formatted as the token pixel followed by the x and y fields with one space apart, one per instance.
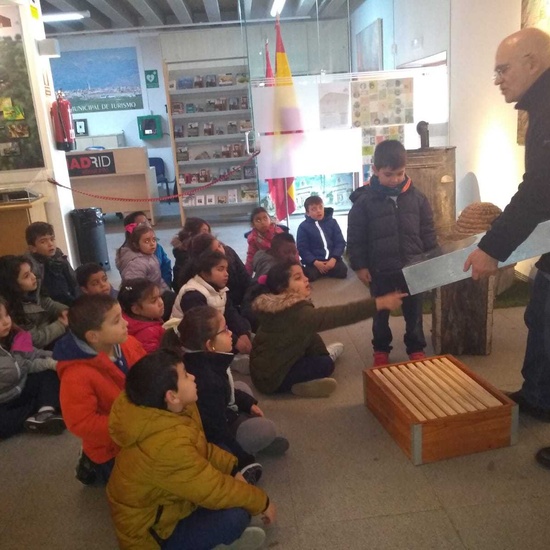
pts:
pixel 381 358
pixel 45 422
pixel 85 470
pixel 252 473
pixel 417 356
pixel 241 363
pixel 321 387
pixel 251 539
pixel 335 350
pixel 279 446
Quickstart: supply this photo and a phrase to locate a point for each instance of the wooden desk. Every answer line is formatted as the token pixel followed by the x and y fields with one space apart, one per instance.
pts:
pixel 133 179
pixel 14 219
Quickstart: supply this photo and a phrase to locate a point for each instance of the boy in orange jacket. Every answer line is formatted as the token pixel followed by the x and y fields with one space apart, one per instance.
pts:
pixel 93 359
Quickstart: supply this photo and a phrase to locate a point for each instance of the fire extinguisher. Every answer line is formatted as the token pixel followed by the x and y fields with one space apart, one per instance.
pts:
pixel 62 120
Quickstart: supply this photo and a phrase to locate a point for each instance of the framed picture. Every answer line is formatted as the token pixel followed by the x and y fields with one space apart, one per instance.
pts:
pixel 210 199
pixel 199 200
pixel 80 127
pixel 368 45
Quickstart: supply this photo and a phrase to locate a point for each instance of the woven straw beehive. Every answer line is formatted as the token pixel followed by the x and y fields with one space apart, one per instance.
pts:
pixel 475 218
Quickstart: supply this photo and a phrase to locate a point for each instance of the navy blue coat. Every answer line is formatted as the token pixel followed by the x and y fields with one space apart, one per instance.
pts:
pixel 385 234
pixel 320 240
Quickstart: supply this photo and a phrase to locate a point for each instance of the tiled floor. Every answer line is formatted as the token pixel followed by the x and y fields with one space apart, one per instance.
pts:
pixel 344 483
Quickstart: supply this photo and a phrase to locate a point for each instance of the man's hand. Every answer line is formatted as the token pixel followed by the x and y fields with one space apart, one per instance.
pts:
pixel 363 275
pixel 481 263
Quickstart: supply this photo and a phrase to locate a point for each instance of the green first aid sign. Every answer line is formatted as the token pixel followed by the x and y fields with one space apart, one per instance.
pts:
pixel 152 79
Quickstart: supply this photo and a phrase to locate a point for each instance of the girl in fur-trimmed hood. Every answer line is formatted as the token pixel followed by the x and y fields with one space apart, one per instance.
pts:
pixel 287 353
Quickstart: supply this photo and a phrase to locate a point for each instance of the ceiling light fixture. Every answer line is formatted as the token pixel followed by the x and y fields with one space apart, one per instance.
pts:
pixel 64 16
pixel 277 7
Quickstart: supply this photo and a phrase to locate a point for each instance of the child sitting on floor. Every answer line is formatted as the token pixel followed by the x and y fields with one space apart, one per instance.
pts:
pixel 287 353
pixel 43 318
pixel 136 259
pixel 92 279
pixel 208 287
pixel 29 387
pixel 169 487
pixel 138 218
pixel 320 242
pixel 229 412
pixel 93 360
pixel 143 308
pixel 181 243
pixel 263 231
pixel 50 264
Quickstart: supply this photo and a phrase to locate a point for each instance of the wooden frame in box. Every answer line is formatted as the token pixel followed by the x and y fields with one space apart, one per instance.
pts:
pixel 437 408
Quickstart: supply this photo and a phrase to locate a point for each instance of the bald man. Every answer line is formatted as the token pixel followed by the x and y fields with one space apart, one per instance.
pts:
pixel 522 72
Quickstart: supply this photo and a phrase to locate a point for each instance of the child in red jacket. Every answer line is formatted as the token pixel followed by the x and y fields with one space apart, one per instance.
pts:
pixel 93 359
pixel 143 308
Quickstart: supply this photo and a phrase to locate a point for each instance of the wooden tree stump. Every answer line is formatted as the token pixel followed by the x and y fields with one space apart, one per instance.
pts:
pixel 462 312
pixel 462 317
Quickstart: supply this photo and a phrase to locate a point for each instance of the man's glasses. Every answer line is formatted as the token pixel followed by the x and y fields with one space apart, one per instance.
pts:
pixel 501 70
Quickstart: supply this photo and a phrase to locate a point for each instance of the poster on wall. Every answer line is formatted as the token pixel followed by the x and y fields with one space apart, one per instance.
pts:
pixel 371 137
pixel 381 108
pixel 19 140
pixel 382 102
pixel 334 105
pixel 369 47
pixel 99 80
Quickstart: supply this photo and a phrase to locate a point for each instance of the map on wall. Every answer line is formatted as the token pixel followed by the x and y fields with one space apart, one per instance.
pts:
pixel 99 80
pixel 19 140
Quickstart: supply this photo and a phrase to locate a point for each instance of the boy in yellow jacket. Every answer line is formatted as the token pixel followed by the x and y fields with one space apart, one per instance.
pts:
pixel 169 487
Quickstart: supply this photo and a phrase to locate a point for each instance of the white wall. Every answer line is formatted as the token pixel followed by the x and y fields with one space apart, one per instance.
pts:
pixel 489 163
pixel 422 28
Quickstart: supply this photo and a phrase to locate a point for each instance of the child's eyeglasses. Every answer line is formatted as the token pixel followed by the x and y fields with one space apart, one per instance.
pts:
pixel 224 329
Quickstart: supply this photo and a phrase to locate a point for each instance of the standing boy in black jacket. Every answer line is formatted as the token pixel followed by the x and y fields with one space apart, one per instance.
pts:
pixel 389 224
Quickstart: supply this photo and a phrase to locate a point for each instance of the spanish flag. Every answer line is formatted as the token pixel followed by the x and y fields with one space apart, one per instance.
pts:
pixel 281 190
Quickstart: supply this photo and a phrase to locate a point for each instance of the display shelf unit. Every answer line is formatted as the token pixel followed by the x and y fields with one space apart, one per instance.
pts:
pixel 211 127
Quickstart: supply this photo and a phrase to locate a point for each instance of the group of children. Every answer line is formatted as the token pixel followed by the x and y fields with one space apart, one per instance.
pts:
pixel 160 396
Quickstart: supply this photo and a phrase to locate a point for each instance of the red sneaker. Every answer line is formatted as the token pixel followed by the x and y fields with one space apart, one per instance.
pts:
pixel 417 356
pixel 381 358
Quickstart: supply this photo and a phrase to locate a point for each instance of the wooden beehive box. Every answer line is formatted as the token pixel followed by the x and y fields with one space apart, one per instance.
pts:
pixel 437 408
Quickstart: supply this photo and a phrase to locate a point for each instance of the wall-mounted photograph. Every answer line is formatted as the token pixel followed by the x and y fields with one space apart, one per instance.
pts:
pixel 99 80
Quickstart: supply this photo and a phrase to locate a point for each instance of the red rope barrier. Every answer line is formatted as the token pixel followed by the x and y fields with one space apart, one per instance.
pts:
pixel 159 199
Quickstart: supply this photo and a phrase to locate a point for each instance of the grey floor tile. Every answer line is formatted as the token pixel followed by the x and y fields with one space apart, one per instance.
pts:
pixel 513 525
pixel 501 475
pixel 430 530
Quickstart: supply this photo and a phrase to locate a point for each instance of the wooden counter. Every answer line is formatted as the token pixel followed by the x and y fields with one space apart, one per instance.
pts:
pixel 132 179
pixel 14 219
